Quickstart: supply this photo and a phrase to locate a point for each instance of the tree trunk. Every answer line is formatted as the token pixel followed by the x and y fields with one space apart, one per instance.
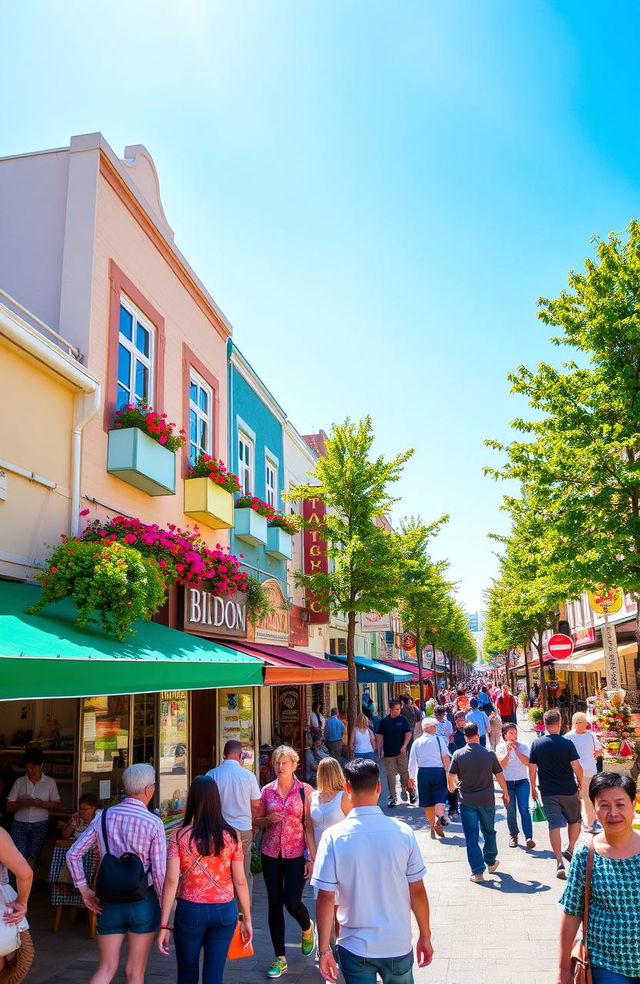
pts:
pixel 352 688
pixel 526 671
pixel 543 686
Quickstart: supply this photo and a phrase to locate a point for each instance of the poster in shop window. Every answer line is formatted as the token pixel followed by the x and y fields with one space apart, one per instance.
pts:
pixel 236 722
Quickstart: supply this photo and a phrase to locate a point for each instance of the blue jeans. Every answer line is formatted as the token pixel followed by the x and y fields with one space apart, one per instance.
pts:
pixel 363 970
pixel 603 976
pixel 474 819
pixel 199 925
pixel 519 790
pixel 483 741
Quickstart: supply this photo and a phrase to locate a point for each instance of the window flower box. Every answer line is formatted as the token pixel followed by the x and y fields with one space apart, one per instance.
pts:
pixel 140 461
pixel 279 543
pixel 250 526
pixel 208 503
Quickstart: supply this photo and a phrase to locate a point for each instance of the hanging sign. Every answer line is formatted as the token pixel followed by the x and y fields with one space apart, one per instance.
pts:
pixel 611 661
pixel 208 614
pixel 315 560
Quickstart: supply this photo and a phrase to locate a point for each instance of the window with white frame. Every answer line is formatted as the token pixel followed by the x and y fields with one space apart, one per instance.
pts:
pixel 200 417
pixel 136 339
pixel 271 482
pixel 245 463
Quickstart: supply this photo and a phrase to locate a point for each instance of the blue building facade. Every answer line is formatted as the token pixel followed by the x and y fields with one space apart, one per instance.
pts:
pixel 256 455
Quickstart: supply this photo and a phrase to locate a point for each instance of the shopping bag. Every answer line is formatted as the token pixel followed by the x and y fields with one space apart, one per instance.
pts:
pixel 538 815
pixel 237 948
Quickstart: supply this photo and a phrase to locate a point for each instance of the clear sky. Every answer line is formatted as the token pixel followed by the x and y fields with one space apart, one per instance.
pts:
pixel 375 193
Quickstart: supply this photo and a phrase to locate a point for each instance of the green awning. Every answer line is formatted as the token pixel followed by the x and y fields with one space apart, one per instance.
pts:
pixel 48 656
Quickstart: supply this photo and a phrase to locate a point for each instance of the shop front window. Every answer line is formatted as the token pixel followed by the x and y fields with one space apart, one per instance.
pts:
pixel 104 730
pixel 236 721
pixel 173 778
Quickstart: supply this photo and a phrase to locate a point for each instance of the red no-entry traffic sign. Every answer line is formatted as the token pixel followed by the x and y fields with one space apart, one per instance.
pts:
pixel 560 646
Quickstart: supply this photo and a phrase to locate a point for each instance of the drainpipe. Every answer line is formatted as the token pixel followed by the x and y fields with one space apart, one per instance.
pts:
pixel 86 406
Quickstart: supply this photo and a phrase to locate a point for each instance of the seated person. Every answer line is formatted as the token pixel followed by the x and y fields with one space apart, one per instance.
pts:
pixel 313 757
pixel 87 809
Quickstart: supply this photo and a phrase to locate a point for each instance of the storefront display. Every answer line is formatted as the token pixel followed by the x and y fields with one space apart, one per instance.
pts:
pixel 104 746
pixel 236 721
pixel 287 714
pixel 173 767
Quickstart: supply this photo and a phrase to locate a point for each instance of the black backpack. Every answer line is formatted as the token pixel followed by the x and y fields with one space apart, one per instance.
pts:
pixel 120 879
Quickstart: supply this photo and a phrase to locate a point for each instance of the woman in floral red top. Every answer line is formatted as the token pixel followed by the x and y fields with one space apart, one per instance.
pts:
pixel 204 866
pixel 285 867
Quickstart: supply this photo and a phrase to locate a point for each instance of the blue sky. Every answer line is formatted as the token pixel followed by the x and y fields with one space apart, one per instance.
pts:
pixel 375 193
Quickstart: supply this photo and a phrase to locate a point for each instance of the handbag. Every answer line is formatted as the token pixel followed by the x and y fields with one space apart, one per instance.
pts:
pixel 538 815
pixel 237 948
pixel 120 879
pixel 580 963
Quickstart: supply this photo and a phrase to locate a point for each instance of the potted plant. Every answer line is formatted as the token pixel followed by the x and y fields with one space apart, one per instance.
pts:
pixel 280 533
pixel 142 449
pixel 208 493
pixel 250 521
pixel 535 716
pixel 613 719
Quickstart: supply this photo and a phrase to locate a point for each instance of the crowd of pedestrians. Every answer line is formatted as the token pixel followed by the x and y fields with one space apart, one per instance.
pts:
pixel 196 892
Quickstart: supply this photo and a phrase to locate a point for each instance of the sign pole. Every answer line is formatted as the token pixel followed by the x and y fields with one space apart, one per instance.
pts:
pixel 419 655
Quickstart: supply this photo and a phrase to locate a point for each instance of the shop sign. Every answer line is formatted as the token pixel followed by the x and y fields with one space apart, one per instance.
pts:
pixel 298 626
pixel 408 641
pixel 208 614
pixel 605 601
pixel 274 627
pixel 314 550
pixel 611 660
pixel 375 622
pixel 288 705
pixel 582 637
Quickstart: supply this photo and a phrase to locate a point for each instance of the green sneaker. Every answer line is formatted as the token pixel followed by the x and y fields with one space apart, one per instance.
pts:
pixel 277 969
pixel 308 943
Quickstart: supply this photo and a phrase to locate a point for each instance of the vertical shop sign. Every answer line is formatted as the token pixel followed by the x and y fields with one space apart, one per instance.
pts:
pixel 315 555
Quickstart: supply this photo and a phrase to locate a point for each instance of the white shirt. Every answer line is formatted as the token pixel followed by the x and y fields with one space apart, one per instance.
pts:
pixel 586 745
pixel 427 753
pixel 317 721
pixel 324 815
pixel 362 741
pixel 45 789
pixel 237 788
pixel 371 885
pixel 513 770
pixel 444 728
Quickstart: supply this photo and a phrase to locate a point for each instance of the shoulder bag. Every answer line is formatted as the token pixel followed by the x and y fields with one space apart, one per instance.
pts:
pixel 580 963
pixel 120 879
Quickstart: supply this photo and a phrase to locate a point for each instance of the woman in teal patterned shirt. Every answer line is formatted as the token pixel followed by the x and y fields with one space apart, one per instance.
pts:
pixel 613 935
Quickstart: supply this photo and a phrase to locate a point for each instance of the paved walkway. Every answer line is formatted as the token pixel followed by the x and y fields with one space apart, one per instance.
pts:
pixel 501 932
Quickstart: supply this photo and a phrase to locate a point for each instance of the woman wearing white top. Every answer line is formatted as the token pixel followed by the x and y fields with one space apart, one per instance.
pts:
pixel 589 748
pixel 429 763
pixel 330 802
pixel 362 741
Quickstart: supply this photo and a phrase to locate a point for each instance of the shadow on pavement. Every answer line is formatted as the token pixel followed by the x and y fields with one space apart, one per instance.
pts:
pixel 504 882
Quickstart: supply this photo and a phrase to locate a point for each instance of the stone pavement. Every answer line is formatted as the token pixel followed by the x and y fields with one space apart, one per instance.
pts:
pixel 501 932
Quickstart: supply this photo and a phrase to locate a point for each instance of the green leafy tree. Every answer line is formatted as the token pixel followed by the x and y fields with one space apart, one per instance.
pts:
pixel 366 563
pixel 578 458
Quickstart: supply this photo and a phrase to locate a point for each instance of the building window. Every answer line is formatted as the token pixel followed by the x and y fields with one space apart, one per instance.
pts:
pixel 245 463
pixel 135 356
pixel 200 417
pixel 271 483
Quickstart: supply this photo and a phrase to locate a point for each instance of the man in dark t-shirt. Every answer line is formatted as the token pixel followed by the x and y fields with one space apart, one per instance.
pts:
pixel 474 768
pixel 394 734
pixel 556 761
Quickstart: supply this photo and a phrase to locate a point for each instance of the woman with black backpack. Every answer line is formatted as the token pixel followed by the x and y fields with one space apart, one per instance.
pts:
pixel 205 865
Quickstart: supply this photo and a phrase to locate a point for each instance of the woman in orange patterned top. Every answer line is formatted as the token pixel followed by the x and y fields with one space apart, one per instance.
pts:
pixel 204 866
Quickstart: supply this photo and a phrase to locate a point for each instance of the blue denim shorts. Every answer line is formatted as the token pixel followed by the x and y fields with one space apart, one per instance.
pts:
pixel 130 917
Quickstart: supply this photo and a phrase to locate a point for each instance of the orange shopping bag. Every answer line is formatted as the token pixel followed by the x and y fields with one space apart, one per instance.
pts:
pixel 237 948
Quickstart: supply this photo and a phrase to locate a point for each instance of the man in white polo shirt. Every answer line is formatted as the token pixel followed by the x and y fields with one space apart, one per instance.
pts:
pixel 239 798
pixel 31 799
pixel 375 890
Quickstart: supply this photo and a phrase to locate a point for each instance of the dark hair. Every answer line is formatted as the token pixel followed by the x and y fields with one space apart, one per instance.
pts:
pixel 33 756
pixel 405 699
pixel 611 780
pixel 394 701
pixel 90 799
pixel 508 727
pixel 552 717
pixel 474 702
pixel 470 729
pixel 439 711
pixel 363 775
pixel 231 746
pixel 203 810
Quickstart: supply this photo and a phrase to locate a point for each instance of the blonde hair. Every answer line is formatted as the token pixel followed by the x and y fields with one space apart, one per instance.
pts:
pixel 579 718
pixel 285 751
pixel 362 722
pixel 330 777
